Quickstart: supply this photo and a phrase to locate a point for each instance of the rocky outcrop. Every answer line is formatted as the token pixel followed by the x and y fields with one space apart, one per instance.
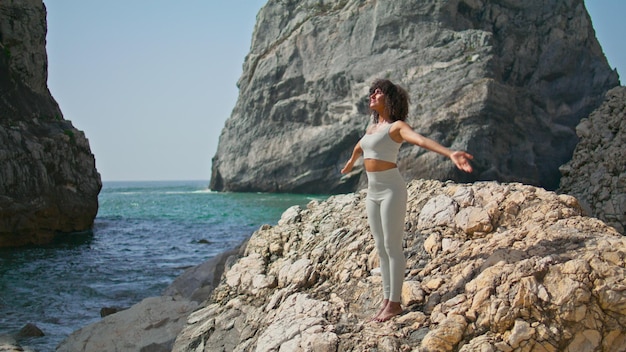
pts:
pixel 491 267
pixel 507 81
pixel 48 180
pixel 596 175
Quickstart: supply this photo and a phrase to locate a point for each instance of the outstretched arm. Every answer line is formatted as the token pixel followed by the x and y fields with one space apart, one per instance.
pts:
pixel 459 158
pixel 356 153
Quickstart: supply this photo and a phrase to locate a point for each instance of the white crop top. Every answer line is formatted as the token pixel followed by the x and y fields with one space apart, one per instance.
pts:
pixel 380 146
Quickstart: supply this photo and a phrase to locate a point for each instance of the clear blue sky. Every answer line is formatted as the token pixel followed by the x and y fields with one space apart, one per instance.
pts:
pixel 151 83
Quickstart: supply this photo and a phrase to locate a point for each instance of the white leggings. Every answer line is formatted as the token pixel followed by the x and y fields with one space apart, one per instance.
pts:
pixel 386 210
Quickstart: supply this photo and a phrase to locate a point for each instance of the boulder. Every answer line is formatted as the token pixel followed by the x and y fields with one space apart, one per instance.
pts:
pixel 151 325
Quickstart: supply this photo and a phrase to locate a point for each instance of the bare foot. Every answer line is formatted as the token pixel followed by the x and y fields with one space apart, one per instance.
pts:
pixel 391 310
pixel 382 309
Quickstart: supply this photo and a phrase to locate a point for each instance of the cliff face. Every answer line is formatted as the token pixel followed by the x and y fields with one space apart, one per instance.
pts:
pixel 596 175
pixel 48 180
pixel 507 81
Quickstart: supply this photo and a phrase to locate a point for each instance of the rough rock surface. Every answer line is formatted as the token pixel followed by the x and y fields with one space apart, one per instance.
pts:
pixel 48 180
pixel 491 267
pixel 506 80
pixel 596 175
pixel 151 325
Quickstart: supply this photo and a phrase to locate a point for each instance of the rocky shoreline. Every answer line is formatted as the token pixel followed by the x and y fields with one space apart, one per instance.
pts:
pixel 490 267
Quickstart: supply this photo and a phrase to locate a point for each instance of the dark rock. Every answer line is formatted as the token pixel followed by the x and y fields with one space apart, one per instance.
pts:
pixel 105 311
pixel 49 184
pixel 596 175
pixel 29 330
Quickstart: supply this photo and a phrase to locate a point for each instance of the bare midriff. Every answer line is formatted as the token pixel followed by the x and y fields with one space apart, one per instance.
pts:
pixel 375 165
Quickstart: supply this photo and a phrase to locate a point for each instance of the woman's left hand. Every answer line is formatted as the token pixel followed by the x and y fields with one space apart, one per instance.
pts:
pixel 461 160
pixel 347 168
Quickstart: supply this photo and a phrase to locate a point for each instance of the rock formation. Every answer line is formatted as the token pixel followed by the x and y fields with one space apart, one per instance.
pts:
pixel 150 325
pixel 596 175
pixel 507 81
pixel 491 267
pixel 48 180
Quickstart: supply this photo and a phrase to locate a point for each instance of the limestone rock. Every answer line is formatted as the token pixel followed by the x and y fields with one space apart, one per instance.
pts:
pixel 596 175
pixel 542 277
pixel 48 180
pixel 507 81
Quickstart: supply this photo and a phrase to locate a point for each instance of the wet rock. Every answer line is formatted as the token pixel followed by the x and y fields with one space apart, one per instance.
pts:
pixel 29 330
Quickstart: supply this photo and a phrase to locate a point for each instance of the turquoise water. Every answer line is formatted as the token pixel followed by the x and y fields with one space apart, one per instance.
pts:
pixel 145 234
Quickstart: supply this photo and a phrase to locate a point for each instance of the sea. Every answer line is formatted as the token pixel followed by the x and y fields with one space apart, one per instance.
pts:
pixel 144 236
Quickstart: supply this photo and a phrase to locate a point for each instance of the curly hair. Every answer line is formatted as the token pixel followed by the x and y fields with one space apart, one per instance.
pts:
pixel 396 100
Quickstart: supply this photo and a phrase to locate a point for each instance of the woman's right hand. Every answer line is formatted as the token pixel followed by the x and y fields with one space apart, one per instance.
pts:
pixel 461 160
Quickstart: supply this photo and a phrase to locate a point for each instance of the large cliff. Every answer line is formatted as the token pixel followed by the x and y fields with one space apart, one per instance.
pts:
pixel 596 175
pixel 507 81
pixel 48 180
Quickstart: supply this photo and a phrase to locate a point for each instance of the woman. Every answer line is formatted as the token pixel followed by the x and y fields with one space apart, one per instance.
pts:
pixel 386 194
